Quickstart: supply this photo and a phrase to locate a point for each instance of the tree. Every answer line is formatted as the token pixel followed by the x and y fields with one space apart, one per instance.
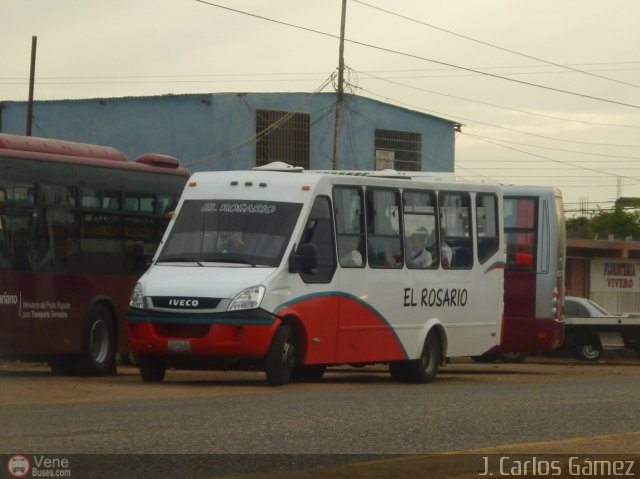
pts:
pixel 578 228
pixel 617 222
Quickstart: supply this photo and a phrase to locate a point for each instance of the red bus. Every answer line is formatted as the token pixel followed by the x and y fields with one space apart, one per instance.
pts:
pixel 70 215
pixel 534 273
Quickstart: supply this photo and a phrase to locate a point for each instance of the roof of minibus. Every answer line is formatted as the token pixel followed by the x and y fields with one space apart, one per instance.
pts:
pixel 531 190
pixel 295 184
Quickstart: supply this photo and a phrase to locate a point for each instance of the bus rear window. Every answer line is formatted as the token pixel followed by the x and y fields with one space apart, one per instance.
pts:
pixel 520 233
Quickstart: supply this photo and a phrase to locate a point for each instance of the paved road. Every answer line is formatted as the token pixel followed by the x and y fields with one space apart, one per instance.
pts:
pixel 355 412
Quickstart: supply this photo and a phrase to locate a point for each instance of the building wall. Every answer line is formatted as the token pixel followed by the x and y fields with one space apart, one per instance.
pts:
pixel 607 272
pixel 217 131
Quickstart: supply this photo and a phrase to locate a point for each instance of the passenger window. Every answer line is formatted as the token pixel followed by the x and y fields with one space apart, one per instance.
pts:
pixel 319 233
pixel 455 230
pixel 383 228
pixel 487 226
pixel 348 205
pixel 420 232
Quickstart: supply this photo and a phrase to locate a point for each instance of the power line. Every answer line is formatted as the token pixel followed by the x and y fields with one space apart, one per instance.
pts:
pixel 493 125
pixel 496 105
pixel 602 172
pixel 558 149
pixel 267 130
pixel 495 46
pixel 417 57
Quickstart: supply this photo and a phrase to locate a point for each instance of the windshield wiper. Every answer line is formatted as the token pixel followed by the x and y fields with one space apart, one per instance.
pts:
pixel 179 260
pixel 226 259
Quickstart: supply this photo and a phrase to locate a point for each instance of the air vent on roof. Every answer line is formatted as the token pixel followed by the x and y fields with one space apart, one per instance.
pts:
pixel 156 159
pixel 279 166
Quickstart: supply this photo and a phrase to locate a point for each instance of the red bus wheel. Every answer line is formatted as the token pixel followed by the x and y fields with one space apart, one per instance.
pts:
pixel 98 357
pixel 281 357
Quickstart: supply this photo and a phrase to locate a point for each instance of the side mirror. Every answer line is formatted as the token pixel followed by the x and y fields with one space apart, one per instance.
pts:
pixel 304 259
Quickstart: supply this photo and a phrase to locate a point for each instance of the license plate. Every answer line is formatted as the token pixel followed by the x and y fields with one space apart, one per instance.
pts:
pixel 180 345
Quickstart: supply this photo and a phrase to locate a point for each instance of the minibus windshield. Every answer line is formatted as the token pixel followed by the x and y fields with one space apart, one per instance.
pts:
pixel 253 233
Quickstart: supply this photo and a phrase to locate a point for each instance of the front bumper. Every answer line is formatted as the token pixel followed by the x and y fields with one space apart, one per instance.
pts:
pixel 238 335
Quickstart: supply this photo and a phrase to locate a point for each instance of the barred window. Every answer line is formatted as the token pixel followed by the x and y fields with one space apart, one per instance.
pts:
pixel 282 136
pixel 400 150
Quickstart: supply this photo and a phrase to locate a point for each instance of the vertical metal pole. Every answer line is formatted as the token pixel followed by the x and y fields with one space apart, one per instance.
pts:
pixel 34 43
pixel 340 92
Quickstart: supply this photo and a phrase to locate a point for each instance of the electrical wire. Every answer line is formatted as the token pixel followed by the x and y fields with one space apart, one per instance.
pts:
pixel 418 57
pixel 548 62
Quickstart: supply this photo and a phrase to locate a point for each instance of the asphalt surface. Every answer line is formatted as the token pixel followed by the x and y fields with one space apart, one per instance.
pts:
pixel 350 416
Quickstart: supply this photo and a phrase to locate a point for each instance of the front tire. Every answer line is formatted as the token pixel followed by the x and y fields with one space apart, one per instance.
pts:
pixel 589 352
pixel 281 357
pixel 98 356
pixel 152 370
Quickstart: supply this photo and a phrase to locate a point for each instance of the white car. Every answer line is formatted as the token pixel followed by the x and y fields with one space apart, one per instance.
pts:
pixel 585 342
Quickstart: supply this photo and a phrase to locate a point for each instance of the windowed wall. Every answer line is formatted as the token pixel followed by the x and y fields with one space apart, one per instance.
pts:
pixel 398 150
pixel 416 229
pixel 282 136
pixel 47 225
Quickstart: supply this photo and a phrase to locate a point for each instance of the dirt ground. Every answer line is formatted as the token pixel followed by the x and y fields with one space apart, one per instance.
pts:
pixel 32 383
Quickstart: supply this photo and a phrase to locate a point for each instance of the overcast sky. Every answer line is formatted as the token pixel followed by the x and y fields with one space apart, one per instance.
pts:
pixel 547 91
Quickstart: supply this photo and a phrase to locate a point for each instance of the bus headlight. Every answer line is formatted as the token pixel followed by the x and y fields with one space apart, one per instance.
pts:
pixel 250 298
pixel 137 299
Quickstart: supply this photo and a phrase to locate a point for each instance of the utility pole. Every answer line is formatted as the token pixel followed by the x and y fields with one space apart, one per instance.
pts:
pixel 340 92
pixel 32 76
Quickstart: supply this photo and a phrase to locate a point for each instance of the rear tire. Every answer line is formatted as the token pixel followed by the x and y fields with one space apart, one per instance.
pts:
pixel 513 357
pixel 152 370
pixel 281 357
pixel 63 365
pixel 424 369
pixel 98 356
pixel 398 370
pixel 311 372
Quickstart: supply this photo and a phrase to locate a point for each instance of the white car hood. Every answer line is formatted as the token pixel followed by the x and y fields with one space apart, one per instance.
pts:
pixel 201 281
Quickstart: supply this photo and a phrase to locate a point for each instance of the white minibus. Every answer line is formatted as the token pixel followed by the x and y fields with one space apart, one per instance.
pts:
pixel 294 271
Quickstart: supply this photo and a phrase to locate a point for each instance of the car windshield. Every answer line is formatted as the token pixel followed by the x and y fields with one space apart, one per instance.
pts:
pixel 253 233
pixel 599 308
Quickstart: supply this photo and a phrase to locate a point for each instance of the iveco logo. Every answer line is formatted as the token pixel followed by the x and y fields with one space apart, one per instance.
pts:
pixel 184 303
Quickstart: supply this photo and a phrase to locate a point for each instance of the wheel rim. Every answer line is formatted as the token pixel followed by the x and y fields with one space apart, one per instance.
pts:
pixel 590 352
pixel 429 359
pixel 99 341
pixel 288 355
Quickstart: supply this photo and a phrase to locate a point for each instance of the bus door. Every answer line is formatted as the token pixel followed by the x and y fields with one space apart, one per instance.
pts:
pixel 317 307
pixel 370 254
pixel 520 273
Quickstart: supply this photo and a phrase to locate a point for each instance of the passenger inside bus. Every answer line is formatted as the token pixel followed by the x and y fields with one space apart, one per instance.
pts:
pixel 353 257
pixel 446 253
pixel 417 255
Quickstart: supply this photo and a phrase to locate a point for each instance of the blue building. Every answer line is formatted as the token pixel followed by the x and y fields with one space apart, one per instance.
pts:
pixel 228 131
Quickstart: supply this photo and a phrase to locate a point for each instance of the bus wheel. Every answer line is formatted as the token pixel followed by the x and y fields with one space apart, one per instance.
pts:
pixel 152 370
pixel 588 352
pixel 485 358
pixel 398 370
pixel 311 372
pixel 98 357
pixel 63 365
pixel 281 357
pixel 425 368
pixel 513 357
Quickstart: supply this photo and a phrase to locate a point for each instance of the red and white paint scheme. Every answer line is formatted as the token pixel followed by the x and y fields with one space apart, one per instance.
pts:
pixel 294 271
pixel 71 215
